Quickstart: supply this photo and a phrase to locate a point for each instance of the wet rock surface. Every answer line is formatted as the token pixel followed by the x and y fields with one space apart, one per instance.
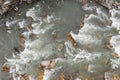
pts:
pixel 65 41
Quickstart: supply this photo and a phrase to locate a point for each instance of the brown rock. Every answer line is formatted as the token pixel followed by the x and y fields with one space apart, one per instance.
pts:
pixel 71 39
pixel 114 55
pixel 40 75
pixel 24 77
pixel 107 42
pixel 15 50
pixel 44 14
pixel 115 77
pixel 22 36
pixel 54 35
pixel 22 40
pixel 47 64
pixel 52 64
pixel 6 28
pixel 84 2
pixel 61 77
pixel 60 47
pixel 6 68
pixel 86 67
pixel 32 35
pixel 30 27
pixel 105 61
pixel 81 24
pixel 108 46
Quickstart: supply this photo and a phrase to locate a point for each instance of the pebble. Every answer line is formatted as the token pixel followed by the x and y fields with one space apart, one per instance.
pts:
pixel 47 64
pixel 6 68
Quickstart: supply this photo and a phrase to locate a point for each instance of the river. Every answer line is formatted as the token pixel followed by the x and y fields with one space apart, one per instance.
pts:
pixel 61 40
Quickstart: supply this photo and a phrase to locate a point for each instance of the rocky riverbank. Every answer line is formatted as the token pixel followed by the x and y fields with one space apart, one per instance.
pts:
pixel 70 41
pixel 5 5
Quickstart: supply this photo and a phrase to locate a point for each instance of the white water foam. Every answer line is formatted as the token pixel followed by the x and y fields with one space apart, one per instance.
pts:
pixel 86 35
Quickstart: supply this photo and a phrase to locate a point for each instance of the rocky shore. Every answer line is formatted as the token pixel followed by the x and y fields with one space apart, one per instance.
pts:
pixel 5 5
pixel 41 43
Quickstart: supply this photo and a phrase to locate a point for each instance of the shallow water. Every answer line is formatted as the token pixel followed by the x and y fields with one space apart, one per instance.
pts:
pixel 88 61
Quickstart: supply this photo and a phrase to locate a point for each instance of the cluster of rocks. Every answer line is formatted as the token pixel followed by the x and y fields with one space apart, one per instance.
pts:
pixel 112 3
pixel 5 5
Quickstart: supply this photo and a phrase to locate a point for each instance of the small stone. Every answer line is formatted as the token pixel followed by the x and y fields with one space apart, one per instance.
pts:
pixel 6 28
pixel 30 28
pixel 88 46
pixel 54 35
pixel 86 67
pixel 108 46
pixel 33 36
pixel 60 47
pixel 71 39
pixel 105 61
pixel 81 24
pixel 108 38
pixel 114 55
pixel 24 77
pixel 43 14
pixel 115 77
pixel 6 68
pixel 84 2
pixel 107 42
pixel 22 42
pixel 22 36
pixel 47 64
pixel 16 50
pixel 52 64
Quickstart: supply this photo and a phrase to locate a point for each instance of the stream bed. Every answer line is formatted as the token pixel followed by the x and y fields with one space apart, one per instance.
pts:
pixel 60 40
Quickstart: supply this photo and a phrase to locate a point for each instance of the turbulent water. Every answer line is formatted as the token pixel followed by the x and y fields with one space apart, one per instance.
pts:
pixel 45 30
